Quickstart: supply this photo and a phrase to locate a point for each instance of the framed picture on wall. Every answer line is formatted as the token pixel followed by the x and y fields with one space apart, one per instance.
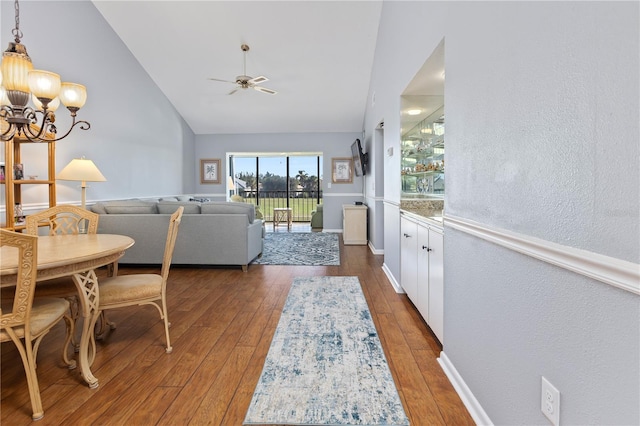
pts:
pixel 341 170
pixel 210 170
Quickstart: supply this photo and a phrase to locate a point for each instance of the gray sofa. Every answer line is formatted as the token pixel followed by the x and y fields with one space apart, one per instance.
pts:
pixel 211 233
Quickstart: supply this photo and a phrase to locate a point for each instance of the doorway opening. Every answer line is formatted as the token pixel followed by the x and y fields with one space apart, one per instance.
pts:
pixel 290 183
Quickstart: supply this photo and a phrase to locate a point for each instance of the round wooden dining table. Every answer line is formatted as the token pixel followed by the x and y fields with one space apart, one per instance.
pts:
pixel 77 256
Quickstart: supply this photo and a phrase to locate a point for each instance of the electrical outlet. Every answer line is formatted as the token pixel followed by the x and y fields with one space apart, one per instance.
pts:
pixel 550 402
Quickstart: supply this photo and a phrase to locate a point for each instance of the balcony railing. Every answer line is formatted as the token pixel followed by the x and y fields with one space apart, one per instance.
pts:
pixel 302 203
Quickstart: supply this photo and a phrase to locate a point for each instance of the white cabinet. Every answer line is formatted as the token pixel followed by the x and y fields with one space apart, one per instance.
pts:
pixel 354 224
pixel 436 283
pixel 409 258
pixel 422 270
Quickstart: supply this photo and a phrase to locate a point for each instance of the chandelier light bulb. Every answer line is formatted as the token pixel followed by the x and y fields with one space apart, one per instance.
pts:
pixel 44 84
pixel 73 95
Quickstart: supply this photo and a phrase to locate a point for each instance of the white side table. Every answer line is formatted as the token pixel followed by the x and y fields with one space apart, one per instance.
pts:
pixel 354 224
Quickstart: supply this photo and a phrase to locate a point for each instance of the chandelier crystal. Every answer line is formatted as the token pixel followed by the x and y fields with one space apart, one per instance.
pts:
pixel 20 83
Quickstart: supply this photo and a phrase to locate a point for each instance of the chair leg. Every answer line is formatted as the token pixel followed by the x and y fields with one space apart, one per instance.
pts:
pixel 167 324
pixel 28 361
pixel 103 322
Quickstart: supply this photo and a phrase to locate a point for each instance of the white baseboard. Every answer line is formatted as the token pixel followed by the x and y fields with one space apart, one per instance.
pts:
pixel 375 250
pixel 396 286
pixel 473 406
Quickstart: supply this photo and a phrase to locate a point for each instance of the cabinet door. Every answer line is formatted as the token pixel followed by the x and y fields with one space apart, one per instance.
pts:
pixel 436 284
pixel 423 272
pixel 409 258
pixel 354 225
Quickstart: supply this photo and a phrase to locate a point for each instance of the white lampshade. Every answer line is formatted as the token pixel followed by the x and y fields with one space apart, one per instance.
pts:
pixel 44 84
pixel 81 169
pixel 73 95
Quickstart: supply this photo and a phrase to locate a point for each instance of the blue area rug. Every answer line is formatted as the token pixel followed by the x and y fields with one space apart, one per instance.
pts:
pixel 300 248
pixel 326 365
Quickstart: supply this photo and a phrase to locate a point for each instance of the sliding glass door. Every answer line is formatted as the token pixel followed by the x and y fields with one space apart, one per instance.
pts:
pixel 289 181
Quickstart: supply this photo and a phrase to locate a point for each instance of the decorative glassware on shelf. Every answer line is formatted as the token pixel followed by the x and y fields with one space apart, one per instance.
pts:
pixel 422 162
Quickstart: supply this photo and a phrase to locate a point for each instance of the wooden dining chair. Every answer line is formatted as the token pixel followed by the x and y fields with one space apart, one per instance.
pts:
pixel 25 321
pixel 63 220
pixel 144 289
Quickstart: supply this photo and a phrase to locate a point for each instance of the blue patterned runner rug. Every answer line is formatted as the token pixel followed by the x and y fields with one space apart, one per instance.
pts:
pixel 326 365
pixel 300 248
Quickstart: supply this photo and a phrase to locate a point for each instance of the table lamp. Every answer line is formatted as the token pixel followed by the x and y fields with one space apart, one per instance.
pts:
pixel 82 170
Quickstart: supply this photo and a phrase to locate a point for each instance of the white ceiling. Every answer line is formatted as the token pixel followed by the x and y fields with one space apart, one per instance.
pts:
pixel 317 55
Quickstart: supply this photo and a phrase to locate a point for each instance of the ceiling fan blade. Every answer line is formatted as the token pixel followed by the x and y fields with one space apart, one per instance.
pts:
pixel 233 91
pixel 265 90
pixel 224 81
pixel 258 80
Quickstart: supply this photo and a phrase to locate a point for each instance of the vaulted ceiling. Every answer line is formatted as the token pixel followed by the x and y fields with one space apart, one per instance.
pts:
pixel 316 54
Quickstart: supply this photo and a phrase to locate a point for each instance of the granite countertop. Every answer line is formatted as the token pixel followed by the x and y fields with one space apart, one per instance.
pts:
pixel 424 208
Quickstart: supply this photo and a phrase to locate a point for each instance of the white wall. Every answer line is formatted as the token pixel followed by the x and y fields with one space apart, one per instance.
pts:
pixel 542 114
pixel 330 144
pixel 137 139
pixel 374 189
pixel 408 33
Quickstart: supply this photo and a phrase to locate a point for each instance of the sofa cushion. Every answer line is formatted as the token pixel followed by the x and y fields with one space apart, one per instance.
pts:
pixel 169 207
pixel 130 207
pixel 98 208
pixel 223 207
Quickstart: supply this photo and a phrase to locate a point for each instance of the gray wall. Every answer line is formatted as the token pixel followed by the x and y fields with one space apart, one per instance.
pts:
pixel 329 144
pixel 137 139
pixel 542 140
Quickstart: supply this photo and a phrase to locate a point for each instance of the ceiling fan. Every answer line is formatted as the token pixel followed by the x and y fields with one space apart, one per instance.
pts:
pixel 244 81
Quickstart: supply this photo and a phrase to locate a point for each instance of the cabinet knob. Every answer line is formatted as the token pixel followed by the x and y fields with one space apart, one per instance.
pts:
pixel 425 247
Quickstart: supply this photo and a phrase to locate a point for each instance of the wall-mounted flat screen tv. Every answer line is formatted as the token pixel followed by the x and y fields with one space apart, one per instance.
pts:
pixel 360 159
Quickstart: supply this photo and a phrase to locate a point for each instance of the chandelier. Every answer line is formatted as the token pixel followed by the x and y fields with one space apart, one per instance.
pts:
pixel 19 82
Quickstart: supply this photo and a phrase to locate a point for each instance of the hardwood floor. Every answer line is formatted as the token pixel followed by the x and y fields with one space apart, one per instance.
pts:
pixel 222 324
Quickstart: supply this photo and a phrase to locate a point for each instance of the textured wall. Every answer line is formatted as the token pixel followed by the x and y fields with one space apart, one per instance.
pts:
pixel 544 127
pixel 541 101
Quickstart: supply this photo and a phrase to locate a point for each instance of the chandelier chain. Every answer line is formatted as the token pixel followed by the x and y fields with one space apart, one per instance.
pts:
pixel 16 31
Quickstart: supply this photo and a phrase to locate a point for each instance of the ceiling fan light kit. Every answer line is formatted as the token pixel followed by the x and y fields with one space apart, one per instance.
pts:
pixel 245 81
